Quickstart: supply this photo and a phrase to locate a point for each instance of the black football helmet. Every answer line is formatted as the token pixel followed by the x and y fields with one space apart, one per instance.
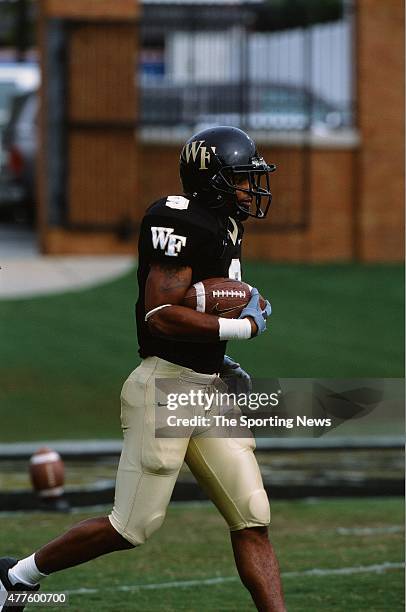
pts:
pixel 217 162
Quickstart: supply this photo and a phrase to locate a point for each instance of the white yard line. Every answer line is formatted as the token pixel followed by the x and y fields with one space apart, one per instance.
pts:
pixel 345 571
pixel 182 584
pixel 367 531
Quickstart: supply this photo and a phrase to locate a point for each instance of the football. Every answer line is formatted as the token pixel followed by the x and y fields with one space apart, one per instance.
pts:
pixel 47 473
pixel 225 297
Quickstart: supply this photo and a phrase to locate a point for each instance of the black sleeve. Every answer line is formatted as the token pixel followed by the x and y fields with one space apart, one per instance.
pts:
pixel 170 240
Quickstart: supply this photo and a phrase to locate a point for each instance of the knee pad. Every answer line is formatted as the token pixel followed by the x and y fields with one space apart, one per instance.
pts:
pixel 139 531
pixel 254 511
pixel 258 505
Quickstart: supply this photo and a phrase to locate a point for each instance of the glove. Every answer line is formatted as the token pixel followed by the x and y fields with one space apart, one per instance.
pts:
pixel 253 309
pixel 236 379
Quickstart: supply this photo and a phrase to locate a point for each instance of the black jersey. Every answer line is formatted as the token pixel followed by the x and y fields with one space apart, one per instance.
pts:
pixel 180 231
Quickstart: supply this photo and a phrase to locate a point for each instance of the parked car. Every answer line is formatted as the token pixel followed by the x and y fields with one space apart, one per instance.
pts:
pixel 15 78
pixel 20 144
pixel 18 83
pixel 265 106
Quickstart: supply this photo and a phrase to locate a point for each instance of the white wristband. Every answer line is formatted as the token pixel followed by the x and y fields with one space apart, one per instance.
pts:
pixel 234 329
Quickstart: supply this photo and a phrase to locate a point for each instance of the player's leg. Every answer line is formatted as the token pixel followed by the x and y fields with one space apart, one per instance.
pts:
pixel 145 479
pixel 258 567
pixel 228 471
pixel 149 465
pixel 84 541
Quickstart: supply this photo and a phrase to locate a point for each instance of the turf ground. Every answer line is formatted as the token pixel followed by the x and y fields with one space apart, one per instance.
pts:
pixel 191 554
pixel 63 358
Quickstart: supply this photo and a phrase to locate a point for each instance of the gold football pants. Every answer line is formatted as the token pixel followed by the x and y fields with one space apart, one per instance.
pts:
pixel 226 468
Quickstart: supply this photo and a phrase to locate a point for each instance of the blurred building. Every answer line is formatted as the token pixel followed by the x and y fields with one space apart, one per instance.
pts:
pixel 323 98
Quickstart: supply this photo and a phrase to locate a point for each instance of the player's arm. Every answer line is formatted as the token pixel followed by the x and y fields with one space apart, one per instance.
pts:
pixel 166 286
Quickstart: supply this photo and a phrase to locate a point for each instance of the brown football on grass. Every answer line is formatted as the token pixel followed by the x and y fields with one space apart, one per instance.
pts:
pixel 47 472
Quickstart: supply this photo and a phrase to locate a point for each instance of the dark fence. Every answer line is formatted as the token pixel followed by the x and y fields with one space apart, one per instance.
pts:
pixel 199 65
pixel 218 66
pixel 285 78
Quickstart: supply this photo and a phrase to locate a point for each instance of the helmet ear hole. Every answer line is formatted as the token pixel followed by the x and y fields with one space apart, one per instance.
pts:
pixel 217 181
pixel 220 183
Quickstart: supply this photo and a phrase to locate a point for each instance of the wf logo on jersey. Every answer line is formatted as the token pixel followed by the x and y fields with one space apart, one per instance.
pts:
pixel 164 238
pixel 195 148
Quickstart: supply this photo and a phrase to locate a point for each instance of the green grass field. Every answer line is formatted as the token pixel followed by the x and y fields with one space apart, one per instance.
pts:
pixel 193 545
pixel 63 358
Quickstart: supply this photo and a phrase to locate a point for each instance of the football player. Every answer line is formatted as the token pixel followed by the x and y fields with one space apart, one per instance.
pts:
pixel 183 240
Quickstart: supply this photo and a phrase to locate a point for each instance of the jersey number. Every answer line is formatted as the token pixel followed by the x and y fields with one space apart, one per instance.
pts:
pixel 234 271
pixel 177 202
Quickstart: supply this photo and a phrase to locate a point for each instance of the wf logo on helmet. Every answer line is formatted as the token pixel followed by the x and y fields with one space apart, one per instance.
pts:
pixel 195 148
pixel 164 238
